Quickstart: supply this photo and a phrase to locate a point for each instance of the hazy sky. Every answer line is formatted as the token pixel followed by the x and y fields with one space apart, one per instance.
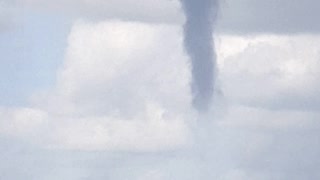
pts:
pixel 100 90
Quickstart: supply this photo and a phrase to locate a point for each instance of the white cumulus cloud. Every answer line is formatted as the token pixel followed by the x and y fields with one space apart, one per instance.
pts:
pixel 272 71
pixel 123 86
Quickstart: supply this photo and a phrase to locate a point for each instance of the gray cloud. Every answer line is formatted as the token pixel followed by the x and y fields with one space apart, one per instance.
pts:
pixel 236 16
pixel 6 15
pixel 156 11
pixel 272 16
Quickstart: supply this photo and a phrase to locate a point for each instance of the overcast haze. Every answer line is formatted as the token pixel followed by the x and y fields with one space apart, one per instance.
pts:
pixel 101 90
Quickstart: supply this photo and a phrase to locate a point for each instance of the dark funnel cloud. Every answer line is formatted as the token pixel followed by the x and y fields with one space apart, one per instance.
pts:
pixel 198 41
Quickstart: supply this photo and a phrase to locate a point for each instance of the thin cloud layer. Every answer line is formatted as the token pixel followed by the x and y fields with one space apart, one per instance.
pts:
pixel 6 15
pixel 155 11
pixel 235 16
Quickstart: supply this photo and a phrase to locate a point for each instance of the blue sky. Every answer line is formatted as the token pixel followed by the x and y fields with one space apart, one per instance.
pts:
pixel 101 90
pixel 32 51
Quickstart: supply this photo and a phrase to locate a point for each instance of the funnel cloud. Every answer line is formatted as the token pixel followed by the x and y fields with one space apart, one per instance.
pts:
pixel 198 42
